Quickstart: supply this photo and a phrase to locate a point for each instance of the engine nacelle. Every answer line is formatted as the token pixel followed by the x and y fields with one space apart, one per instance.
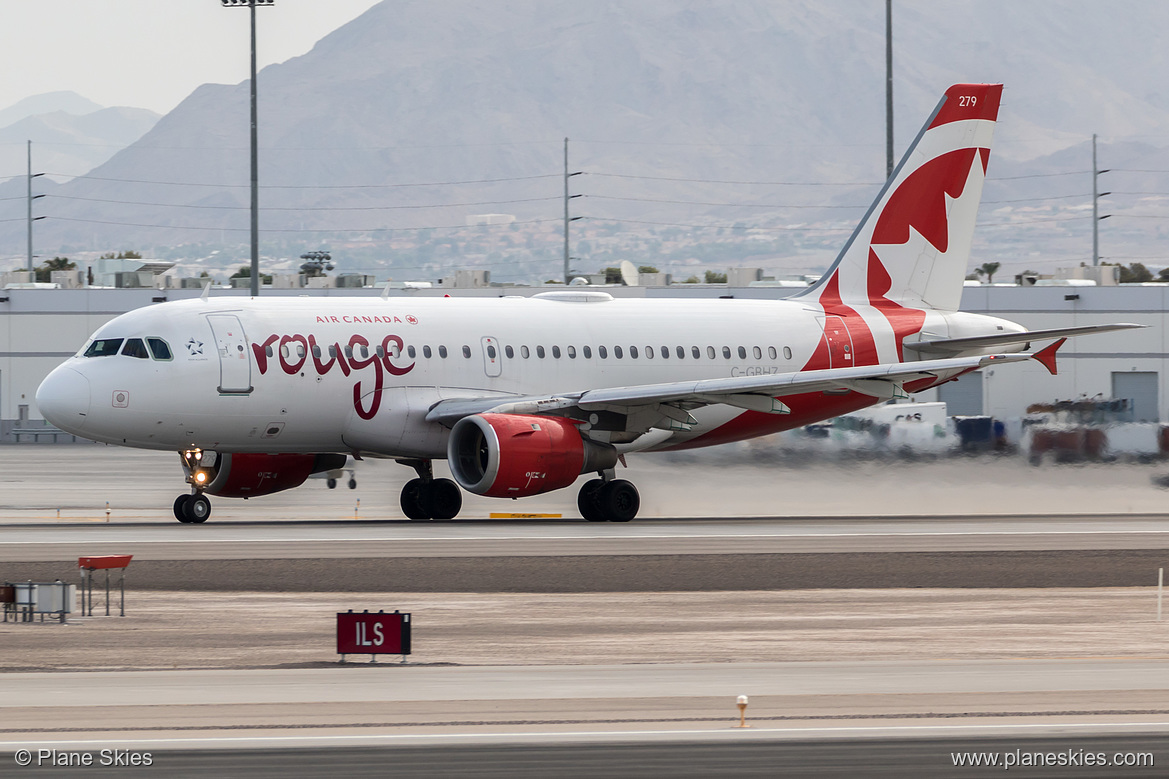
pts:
pixel 516 455
pixel 243 475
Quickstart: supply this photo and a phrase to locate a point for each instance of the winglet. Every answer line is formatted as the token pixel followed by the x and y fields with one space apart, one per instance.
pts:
pixel 386 291
pixel 206 291
pixel 1046 356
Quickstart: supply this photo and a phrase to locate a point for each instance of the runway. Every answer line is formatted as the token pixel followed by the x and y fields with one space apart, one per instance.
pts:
pixel 879 619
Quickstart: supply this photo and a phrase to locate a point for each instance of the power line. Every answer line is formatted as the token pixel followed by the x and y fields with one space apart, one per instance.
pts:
pixel 745 183
pixel 314 186
pixel 291 230
pixel 305 208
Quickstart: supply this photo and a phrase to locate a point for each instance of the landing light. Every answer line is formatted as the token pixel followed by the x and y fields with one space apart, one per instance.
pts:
pixel 201 476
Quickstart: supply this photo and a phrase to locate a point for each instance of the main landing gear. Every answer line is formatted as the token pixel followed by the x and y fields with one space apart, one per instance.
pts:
pixel 427 497
pixel 192 509
pixel 608 500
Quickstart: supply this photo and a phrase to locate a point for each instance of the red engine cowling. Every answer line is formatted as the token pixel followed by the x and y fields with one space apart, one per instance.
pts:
pixel 516 455
pixel 242 475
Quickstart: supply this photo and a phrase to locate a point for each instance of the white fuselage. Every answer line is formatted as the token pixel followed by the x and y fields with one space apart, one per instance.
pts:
pixel 244 375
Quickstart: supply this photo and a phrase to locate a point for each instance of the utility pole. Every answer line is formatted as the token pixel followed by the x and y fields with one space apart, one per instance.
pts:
pixel 1096 195
pixel 251 4
pixel 567 218
pixel 888 88
pixel 31 197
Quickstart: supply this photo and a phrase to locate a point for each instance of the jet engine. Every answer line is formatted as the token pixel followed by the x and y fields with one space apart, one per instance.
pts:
pixel 242 475
pixel 516 455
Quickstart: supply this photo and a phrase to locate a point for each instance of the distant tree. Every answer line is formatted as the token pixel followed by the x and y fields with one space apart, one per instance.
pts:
pixel 647 269
pixel 1136 273
pixel 45 269
pixel 612 275
pixel 988 269
pixel 691 280
pixel 245 272
pixel 715 278
pixel 1163 274
pixel 127 255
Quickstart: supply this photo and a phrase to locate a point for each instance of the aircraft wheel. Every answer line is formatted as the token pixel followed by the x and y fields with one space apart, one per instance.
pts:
pixel 619 500
pixel 331 483
pixel 586 500
pixel 197 509
pixel 353 484
pixel 181 508
pixel 444 499
pixel 413 500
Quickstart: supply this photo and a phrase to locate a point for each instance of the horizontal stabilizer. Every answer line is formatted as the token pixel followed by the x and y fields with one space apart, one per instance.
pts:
pixel 955 345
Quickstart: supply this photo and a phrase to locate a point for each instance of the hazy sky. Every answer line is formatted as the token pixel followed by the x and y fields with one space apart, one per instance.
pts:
pixel 151 53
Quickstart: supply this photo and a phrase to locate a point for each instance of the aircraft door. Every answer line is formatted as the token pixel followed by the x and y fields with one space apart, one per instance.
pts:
pixel 235 367
pixel 492 359
pixel 839 342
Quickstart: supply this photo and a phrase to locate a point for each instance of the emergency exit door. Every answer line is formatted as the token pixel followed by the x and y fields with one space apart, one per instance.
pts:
pixel 840 353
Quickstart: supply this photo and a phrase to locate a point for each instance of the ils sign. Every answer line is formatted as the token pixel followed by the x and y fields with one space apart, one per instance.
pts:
pixel 373 634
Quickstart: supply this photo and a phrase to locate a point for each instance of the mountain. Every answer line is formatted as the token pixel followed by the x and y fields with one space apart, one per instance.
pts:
pixel 47 103
pixel 66 145
pixel 398 126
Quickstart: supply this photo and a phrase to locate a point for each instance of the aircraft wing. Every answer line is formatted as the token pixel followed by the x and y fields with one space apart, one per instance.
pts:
pixel 670 401
pixel 954 345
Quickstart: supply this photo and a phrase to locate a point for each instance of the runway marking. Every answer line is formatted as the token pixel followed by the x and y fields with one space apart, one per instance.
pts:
pixel 727 732
pixel 622 537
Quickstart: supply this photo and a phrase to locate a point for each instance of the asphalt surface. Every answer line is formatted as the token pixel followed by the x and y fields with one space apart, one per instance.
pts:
pixel 894 757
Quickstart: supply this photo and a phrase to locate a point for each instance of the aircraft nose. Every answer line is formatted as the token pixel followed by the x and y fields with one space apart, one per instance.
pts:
pixel 63 399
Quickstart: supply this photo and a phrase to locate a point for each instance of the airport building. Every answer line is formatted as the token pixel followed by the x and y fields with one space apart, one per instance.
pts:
pixel 40 327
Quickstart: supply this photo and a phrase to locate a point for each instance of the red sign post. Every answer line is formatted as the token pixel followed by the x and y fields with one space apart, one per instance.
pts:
pixel 373 634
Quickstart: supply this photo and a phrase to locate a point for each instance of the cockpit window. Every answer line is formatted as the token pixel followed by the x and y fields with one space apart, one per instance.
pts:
pixel 135 348
pixel 159 349
pixel 104 347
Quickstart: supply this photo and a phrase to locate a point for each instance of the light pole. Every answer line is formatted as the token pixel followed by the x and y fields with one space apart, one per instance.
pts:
pixel 251 4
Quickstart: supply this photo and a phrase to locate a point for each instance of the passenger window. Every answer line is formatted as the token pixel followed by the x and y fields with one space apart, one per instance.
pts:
pixel 665 352
pixel 633 352
pixel 159 349
pixel 757 352
pixel 394 350
pixel 695 352
pixel 787 352
pixel 135 348
pixel 442 352
pixel 587 351
pixel 540 352
pixel 727 352
pixel 681 353
pixel 332 351
pixel 571 352
pixel 491 351
pixel 268 351
pixel 617 352
pixel 556 352
pixel 426 352
pixel 509 351
pixel 104 347
pixel 601 352
pixel 466 351
pixel 710 353
pixel 771 352
pixel 380 352
pixel 364 350
pixel 742 353
pixel 524 352
pixel 649 352
pixel 411 351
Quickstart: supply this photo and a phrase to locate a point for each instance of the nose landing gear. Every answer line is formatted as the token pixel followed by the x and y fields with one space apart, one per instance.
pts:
pixel 192 509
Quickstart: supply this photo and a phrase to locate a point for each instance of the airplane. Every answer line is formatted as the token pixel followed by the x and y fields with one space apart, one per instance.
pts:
pixel 523 395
